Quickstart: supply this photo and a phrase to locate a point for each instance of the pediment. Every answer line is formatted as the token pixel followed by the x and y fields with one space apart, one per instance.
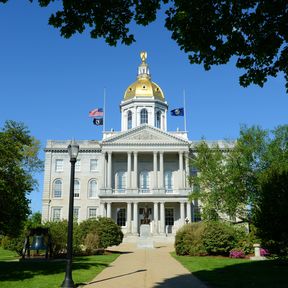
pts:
pixel 144 135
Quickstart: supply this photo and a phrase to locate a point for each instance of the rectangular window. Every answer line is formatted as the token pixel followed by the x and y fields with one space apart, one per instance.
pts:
pixel 59 165
pixel 92 212
pixel 168 179
pixel 93 165
pixel 196 211
pixel 76 213
pixel 169 217
pixel 121 216
pixel 76 188
pixel 120 181
pixel 56 214
pixel 78 165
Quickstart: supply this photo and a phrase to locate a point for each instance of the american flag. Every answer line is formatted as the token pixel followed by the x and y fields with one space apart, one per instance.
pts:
pixel 96 112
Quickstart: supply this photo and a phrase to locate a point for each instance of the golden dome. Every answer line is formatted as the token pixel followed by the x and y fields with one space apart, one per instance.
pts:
pixel 144 87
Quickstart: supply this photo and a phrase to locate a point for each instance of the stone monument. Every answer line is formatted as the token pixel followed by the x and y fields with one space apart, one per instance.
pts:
pixel 145 240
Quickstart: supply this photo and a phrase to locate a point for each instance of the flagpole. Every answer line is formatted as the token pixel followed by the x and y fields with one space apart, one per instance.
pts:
pixel 184 100
pixel 104 106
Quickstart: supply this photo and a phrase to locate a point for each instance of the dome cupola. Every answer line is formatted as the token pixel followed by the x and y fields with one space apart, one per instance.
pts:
pixel 144 101
pixel 143 86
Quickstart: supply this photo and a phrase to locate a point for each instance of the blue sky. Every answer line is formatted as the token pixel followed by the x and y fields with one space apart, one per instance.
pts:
pixel 51 83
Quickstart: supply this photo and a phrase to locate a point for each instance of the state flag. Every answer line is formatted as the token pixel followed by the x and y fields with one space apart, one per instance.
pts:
pixel 98 121
pixel 96 112
pixel 177 112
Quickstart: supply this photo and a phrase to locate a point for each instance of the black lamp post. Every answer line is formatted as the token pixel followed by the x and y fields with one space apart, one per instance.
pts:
pixel 73 150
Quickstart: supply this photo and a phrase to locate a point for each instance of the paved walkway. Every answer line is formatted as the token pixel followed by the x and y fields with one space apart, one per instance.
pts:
pixel 145 268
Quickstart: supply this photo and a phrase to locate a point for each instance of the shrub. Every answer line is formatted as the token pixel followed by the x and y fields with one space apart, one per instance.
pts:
pixel 188 240
pixel 236 253
pixel 247 240
pixel 91 243
pixel 109 232
pixel 58 231
pixel 264 252
pixel 106 233
pixel 14 243
pixel 219 238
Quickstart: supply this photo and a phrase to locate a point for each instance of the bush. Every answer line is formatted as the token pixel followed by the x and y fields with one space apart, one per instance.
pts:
pixel 246 241
pixel 264 252
pixel 89 237
pixel 236 253
pixel 188 240
pixel 14 243
pixel 91 243
pixel 58 231
pixel 219 238
pixel 109 232
pixel 106 233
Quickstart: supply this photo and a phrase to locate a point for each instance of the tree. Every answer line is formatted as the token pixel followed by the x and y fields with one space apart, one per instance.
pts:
pixel 211 32
pixel 272 212
pixel 230 179
pixel 18 162
pixel 34 220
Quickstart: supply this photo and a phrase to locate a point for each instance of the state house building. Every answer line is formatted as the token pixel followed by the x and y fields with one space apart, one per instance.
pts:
pixel 130 175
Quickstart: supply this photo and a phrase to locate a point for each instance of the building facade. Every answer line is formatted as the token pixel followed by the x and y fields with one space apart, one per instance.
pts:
pixel 137 175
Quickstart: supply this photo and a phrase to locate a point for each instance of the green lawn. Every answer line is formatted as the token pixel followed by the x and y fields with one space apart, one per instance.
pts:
pixel 226 272
pixel 41 274
pixel 6 255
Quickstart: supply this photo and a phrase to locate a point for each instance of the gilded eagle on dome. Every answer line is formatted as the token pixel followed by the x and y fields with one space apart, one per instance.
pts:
pixel 143 86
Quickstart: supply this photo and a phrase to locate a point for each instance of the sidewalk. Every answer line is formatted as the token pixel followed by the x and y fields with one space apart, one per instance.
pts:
pixel 145 268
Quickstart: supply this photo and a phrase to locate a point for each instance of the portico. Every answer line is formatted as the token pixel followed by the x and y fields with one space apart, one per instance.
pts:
pixel 165 217
pixel 151 162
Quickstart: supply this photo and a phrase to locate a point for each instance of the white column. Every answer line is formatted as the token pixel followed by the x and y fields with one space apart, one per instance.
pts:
pixel 161 185
pixel 134 117
pixel 102 209
pixel 109 209
pixel 182 213
pixel 138 118
pixel 187 170
pixel 188 211
pixel 155 169
pixel 181 170
pixel 109 176
pixel 162 218
pixel 135 218
pixel 156 230
pixel 103 183
pixel 136 170
pixel 129 170
pixel 129 217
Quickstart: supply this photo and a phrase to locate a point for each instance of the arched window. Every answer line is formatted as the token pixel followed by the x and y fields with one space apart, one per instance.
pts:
pixel 129 120
pixel 92 189
pixel 144 181
pixel 57 188
pixel 158 119
pixel 143 116
pixel 168 181
pixel 76 188
pixel 120 181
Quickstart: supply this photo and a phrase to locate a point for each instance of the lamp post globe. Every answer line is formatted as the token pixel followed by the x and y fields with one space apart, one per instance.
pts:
pixel 73 149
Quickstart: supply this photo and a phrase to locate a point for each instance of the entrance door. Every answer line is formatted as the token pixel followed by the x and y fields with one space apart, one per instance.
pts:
pixel 169 220
pixel 145 215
